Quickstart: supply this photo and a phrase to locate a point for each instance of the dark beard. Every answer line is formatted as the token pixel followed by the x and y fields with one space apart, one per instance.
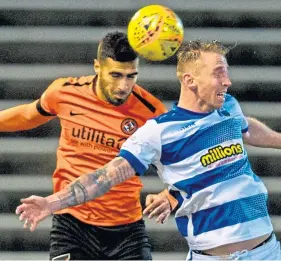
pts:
pixel 115 102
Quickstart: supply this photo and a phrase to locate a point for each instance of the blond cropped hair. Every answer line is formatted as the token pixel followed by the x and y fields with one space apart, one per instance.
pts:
pixel 191 51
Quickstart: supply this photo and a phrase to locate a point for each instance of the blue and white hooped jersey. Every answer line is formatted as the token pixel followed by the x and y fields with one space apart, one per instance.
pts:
pixel 201 156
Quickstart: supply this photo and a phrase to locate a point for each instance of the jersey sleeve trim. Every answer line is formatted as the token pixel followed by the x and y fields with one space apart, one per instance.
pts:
pixel 245 130
pixel 41 110
pixel 134 161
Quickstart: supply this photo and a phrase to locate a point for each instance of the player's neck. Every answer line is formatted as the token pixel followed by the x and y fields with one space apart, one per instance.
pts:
pixel 97 90
pixel 190 102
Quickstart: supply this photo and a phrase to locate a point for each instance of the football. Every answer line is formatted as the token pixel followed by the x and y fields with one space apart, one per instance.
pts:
pixel 155 32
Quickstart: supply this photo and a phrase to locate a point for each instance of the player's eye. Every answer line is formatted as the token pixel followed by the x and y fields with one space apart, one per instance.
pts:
pixel 132 76
pixel 220 74
pixel 116 75
pixel 217 75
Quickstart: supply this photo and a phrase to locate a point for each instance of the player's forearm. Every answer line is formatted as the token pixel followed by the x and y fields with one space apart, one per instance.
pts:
pixel 261 135
pixel 22 117
pixel 93 185
pixel 85 188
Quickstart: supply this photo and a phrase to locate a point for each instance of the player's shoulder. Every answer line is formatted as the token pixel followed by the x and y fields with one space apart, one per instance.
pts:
pixel 148 99
pixel 78 81
pixel 65 84
pixel 230 98
pixel 230 102
pixel 140 91
pixel 168 116
pixel 231 105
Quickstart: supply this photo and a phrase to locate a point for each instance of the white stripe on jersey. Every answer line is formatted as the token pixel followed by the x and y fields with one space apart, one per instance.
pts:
pixel 215 238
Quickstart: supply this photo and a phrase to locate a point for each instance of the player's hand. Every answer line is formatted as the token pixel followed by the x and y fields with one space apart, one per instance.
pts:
pixel 32 210
pixel 157 205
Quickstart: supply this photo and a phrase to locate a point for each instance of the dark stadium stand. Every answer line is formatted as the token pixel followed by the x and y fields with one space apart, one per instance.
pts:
pixel 43 40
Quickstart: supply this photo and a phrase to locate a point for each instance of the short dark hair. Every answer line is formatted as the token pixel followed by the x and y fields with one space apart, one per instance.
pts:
pixel 116 46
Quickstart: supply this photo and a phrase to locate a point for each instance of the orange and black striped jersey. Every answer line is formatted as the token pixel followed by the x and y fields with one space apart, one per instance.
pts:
pixel 92 132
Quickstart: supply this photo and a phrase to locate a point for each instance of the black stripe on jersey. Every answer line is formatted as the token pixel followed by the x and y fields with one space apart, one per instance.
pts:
pixel 76 84
pixel 145 102
pixel 42 111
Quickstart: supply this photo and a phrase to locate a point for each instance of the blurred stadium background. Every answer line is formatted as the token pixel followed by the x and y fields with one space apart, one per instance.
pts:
pixel 42 40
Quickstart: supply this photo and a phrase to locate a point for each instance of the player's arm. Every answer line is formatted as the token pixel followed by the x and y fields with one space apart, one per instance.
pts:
pixel 260 135
pixel 85 188
pixel 137 152
pixel 160 206
pixel 22 117
pixel 29 116
pixel 256 133
pixel 90 186
pixel 172 201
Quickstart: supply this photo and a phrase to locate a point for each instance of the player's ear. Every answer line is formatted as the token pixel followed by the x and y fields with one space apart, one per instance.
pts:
pixel 96 66
pixel 188 79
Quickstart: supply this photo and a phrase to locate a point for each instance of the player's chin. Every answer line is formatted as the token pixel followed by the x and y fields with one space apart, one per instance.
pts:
pixel 217 105
pixel 117 101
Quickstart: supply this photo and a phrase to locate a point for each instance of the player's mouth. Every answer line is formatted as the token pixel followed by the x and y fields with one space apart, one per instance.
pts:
pixel 221 96
pixel 121 95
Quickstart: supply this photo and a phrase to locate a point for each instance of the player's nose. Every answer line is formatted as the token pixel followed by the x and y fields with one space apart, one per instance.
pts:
pixel 226 82
pixel 123 86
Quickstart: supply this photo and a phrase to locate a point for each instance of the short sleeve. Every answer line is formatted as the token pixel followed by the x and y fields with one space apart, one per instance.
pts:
pixel 48 103
pixel 143 147
pixel 233 106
